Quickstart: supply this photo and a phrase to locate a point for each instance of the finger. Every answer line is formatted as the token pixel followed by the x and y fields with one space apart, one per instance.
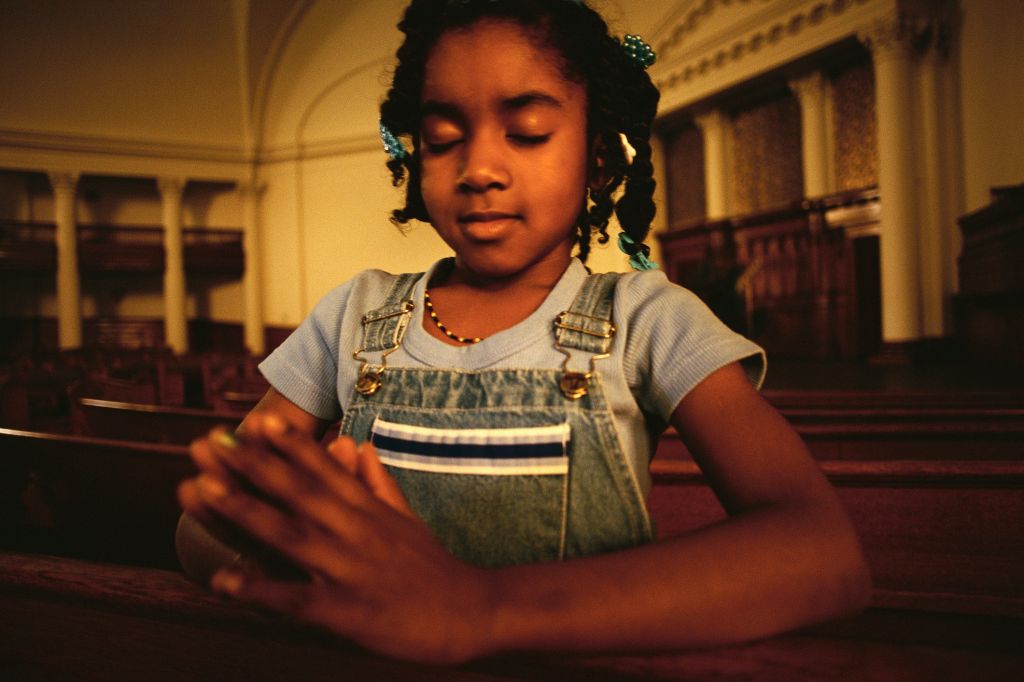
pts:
pixel 302 601
pixel 309 457
pixel 192 503
pixel 205 458
pixel 343 450
pixel 297 447
pixel 294 538
pixel 190 500
pixel 256 466
pixel 379 481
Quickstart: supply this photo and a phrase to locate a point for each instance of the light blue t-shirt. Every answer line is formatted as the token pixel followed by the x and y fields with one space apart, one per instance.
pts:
pixel 667 342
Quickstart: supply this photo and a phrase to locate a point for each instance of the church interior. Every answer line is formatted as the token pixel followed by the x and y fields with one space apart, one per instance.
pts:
pixel 842 181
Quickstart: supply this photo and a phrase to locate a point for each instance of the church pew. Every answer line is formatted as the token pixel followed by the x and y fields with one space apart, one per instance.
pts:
pixel 940 535
pixel 91 497
pixel 936 533
pixel 74 619
pixel 147 423
pixel 832 432
pixel 880 432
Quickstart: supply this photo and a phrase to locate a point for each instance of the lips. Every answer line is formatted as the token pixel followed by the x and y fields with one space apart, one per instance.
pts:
pixel 486 216
pixel 488 225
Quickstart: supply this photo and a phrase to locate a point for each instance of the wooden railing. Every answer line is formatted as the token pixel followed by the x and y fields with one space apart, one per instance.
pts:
pixel 801 279
pixel 120 248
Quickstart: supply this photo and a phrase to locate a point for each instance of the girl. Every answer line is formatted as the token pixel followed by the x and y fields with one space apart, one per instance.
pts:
pixel 499 411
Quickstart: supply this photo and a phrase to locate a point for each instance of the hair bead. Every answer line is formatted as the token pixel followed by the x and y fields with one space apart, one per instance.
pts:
pixel 392 145
pixel 638 50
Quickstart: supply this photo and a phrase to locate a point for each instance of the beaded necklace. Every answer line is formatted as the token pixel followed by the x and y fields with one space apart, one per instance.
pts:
pixel 447 332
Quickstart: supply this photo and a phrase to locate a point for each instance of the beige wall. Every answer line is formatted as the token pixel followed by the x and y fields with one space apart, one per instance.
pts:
pixel 992 73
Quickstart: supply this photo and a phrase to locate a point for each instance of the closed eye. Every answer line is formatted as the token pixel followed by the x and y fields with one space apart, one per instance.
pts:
pixel 440 147
pixel 529 140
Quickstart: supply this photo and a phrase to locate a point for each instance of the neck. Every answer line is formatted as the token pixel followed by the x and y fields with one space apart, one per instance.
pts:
pixel 543 275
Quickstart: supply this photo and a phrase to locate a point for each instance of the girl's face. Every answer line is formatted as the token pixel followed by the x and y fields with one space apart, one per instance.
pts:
pixel 504 151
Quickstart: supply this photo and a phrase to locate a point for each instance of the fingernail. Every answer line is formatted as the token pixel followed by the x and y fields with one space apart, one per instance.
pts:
pixel 212 488
pixel 226 581
pixel 226 438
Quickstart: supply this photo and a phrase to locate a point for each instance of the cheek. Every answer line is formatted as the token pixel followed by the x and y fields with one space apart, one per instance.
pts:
pixel 431 184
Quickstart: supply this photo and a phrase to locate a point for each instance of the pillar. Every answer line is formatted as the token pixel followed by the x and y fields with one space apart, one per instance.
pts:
pixel 890 43
pixel 69 298
pixel 935 290
pixel 252 282
pixel 175 312
pixel 714 126
pixel 811 93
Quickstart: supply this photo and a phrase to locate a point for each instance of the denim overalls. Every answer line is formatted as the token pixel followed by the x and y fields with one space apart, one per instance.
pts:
pixel 506 466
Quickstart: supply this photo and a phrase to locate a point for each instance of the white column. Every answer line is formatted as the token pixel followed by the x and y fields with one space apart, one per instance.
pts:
pixel 175 313
pixel 69 298
pixel 890 44
pixel 935 291
pixel 715 127
pixel 250 193
pixel 811 93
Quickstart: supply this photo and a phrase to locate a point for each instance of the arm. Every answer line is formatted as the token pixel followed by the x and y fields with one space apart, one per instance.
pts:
pixel 786 557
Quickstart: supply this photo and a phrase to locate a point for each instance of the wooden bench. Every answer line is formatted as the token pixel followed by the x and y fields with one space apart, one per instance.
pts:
pixel 880 425
pixel 146 423
pixel 939 536
pixel 99 498
pixel 73 619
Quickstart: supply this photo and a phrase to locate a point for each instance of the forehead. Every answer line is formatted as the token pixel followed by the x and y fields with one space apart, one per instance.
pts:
pixel 494 60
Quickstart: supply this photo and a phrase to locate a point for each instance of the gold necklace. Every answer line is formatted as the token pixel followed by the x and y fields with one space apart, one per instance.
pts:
pixel 447 332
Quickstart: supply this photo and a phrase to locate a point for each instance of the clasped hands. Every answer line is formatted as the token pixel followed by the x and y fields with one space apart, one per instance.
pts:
pixel 377 575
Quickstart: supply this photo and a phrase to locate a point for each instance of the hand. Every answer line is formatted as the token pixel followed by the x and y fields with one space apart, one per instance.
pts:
pixel 379 577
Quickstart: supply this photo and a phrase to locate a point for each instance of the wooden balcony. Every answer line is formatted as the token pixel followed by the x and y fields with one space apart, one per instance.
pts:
pixel 803 279
pixel 30 247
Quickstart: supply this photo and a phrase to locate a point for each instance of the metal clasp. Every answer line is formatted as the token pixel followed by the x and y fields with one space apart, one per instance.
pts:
pixel 609 328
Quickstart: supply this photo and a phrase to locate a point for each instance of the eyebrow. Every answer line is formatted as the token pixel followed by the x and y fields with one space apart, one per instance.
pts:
pixel 510 104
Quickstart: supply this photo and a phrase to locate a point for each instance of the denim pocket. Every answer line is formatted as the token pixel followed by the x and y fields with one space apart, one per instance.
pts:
pixel 494 496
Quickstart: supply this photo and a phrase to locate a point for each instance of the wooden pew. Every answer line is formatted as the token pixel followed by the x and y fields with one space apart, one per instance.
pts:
pixel 72 619
pixel 855 428
pixel 938 535
pixel 146 423
pixel 880 425
pixel 106 499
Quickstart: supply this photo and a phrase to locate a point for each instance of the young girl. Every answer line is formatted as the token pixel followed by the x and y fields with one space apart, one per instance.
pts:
pixel 499 411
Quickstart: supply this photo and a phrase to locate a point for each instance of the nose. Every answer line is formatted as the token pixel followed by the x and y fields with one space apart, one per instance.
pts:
pixel 485 164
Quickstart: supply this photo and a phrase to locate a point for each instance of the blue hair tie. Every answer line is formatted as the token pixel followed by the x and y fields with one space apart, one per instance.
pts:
pixel 392 145
pixel 638 260
pixel 639 51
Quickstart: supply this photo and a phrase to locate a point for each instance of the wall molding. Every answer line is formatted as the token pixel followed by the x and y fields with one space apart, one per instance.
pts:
pixel 693 67
pixel 30 150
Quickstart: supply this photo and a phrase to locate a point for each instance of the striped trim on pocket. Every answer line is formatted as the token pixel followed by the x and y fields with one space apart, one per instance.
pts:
pixel 534 450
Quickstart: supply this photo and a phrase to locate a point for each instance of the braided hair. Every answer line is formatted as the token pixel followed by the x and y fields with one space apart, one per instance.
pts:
pixel 621 99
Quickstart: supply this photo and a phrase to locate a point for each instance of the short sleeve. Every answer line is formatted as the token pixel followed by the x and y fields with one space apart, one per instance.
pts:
pixel 674 342
pixel 304 368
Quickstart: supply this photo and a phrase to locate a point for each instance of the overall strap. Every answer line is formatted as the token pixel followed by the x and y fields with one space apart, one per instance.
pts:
pixel 584 333
pixel 384 327
pixel 587 324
